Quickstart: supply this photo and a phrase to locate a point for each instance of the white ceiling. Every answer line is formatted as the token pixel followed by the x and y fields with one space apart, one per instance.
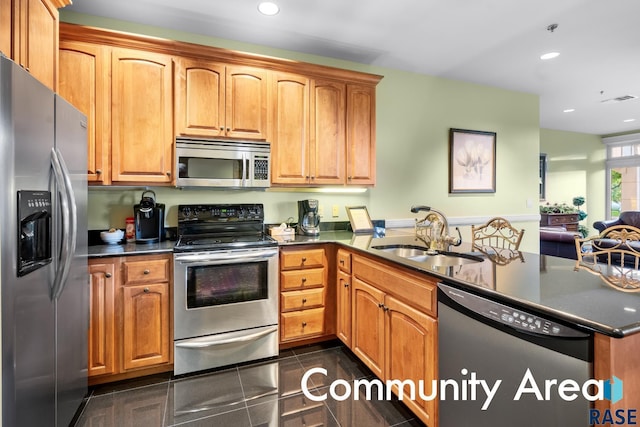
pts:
pixel 491 42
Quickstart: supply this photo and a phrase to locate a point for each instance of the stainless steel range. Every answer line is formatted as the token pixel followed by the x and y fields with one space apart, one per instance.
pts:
pixel 225 287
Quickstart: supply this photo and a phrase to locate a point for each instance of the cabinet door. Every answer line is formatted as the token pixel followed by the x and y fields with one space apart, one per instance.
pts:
pixel 200 94
pixel 344 307
pixel 361 140
pixel 6 27
pixel 327 133
pixel 246 102
pixel 289 129
pixel 37 42
pixel 142 117
pixel 84 72
pixel 102 319
pixel 411 352
pixel 367 326
pixel 146 331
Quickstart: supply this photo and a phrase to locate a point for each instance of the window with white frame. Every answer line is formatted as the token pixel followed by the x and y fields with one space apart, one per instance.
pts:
pixel 623 173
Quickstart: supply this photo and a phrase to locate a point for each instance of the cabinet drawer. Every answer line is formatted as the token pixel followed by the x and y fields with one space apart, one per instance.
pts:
pixel 300 300
pixel 417 291
pixel 302 279
pixel 344 261
pixel 297 324
pixel 146 270
pixel 301 259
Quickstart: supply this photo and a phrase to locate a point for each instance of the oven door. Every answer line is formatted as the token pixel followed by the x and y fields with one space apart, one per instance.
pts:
pixel 224 291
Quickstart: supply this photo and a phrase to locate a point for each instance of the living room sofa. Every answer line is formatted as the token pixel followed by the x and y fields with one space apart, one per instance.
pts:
pixel 557 241
pixel 626 218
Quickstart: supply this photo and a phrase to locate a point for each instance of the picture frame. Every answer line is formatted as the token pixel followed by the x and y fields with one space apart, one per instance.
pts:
pixel 359 219
pixel 472 161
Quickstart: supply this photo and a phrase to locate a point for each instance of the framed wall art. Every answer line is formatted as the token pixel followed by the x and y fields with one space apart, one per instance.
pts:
pixel 472 161
pixel 359 219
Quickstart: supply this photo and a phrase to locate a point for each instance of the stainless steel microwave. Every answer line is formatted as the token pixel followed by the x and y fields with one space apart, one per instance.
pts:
pixel 230 164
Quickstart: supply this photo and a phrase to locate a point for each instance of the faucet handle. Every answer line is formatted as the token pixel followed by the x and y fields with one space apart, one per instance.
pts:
pixel 418 208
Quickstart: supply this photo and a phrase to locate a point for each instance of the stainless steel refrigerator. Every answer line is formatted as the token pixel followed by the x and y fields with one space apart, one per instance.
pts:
pixel 44 289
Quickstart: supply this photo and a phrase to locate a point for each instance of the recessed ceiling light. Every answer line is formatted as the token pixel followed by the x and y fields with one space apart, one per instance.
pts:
pixel 569 110
pixel 268 8
pixel 549 55
pixel 629 120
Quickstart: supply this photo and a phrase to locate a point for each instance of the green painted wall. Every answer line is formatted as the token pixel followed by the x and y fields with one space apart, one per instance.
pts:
pixel 575 167
pixel 414 114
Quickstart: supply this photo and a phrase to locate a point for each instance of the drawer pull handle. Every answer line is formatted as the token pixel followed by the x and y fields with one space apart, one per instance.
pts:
pixel 304 259
pixel 107 275
pixel 380 305
pixel 304 324
pixel 342 261
pixel 346 285
pixel 146 290
pixel 304 279
pixel 146 272
pixel 304 300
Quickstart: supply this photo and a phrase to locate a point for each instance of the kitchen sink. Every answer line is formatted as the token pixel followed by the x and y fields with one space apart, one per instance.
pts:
pixel 421 254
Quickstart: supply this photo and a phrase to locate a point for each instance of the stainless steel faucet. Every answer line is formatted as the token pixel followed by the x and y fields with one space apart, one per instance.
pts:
pixel 435 227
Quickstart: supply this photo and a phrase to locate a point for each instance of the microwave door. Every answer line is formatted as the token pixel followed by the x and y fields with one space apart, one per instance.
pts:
pixel 213 168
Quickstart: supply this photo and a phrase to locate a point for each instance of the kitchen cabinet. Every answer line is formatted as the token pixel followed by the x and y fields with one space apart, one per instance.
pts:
pixel 141 117
pixel 343 294
pixel 361 135
pixel 130 331
pixel 394 330
pixel 146 304
pixel 84 82
pixel 306 308
pixel 102 320
pixel 29 36
pixel 218 100
pixel 309 148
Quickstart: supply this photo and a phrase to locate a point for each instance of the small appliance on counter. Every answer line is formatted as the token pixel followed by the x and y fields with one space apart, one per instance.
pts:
pixel 149 219
pixel 308 218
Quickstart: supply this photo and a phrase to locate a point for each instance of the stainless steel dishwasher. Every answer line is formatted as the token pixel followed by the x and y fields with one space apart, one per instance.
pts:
pixel 479 339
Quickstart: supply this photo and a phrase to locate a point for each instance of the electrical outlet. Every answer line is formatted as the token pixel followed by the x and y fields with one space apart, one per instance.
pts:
pixel 335 211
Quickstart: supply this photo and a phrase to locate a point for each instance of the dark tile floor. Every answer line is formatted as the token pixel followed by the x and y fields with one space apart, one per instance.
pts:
pixel 265 393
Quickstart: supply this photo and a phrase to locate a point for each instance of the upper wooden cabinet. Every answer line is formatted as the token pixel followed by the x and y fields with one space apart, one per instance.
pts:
pixel 29 36
pixel 215 100
pixel 141 117
pixel 84 82
pixel 319 120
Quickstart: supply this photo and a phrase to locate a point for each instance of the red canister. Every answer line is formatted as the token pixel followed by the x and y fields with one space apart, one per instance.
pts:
pixel 130 230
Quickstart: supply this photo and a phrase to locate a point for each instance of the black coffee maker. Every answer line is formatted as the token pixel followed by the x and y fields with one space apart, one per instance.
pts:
pixel 308 218
pixel 149 219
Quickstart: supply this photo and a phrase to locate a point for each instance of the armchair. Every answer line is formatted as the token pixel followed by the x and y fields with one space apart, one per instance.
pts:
pixel 631 218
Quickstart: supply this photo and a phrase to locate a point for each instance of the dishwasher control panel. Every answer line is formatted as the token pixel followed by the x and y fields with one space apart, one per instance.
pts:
pixel 510 316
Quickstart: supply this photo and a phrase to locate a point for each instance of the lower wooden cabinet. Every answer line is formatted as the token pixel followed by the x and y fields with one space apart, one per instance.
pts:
pixel 307 302
pixel 393 334
pixel 130 330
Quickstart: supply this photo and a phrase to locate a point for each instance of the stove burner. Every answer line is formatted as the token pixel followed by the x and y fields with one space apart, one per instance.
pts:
pixel 195 241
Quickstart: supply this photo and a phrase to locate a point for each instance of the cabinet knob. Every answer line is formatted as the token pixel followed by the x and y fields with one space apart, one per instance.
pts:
pixel 168 173
pixel 346 285
pixel 146 290
pixel 98 171
pixel 313 177
pixel 380 305
pixel 304 300
pixel 304 279
pixel 304 324
pixel 341 262
pixel 349 178
pixel 228 129
pixel 304 258
pixel 146 272
pixel 107 275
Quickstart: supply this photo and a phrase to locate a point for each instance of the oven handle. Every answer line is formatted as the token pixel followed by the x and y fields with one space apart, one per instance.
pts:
pixel 234 340
pixel 210 258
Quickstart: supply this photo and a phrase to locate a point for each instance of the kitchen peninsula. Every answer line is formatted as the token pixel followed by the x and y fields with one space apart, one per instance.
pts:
pixel 545 285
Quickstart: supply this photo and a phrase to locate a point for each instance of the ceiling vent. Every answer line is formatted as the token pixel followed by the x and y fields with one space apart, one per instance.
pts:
pixel 618 99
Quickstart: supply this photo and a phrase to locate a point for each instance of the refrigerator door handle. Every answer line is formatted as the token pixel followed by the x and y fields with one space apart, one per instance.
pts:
pixel 69 222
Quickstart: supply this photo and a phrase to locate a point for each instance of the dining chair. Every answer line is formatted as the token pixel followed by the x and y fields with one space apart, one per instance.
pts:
pixel 618 245
pixel 496 233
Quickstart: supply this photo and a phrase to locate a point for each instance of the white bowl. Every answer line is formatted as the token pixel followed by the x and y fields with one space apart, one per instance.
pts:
pixel 112 237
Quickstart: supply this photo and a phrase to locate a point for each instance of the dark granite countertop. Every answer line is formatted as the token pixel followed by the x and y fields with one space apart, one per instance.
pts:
pixel 543 284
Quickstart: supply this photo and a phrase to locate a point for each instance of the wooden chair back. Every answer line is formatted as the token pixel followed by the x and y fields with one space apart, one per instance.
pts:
pixel 496 233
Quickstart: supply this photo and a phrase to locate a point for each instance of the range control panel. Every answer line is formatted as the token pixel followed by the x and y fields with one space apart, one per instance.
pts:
pixel 510 316
pixel 221 213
